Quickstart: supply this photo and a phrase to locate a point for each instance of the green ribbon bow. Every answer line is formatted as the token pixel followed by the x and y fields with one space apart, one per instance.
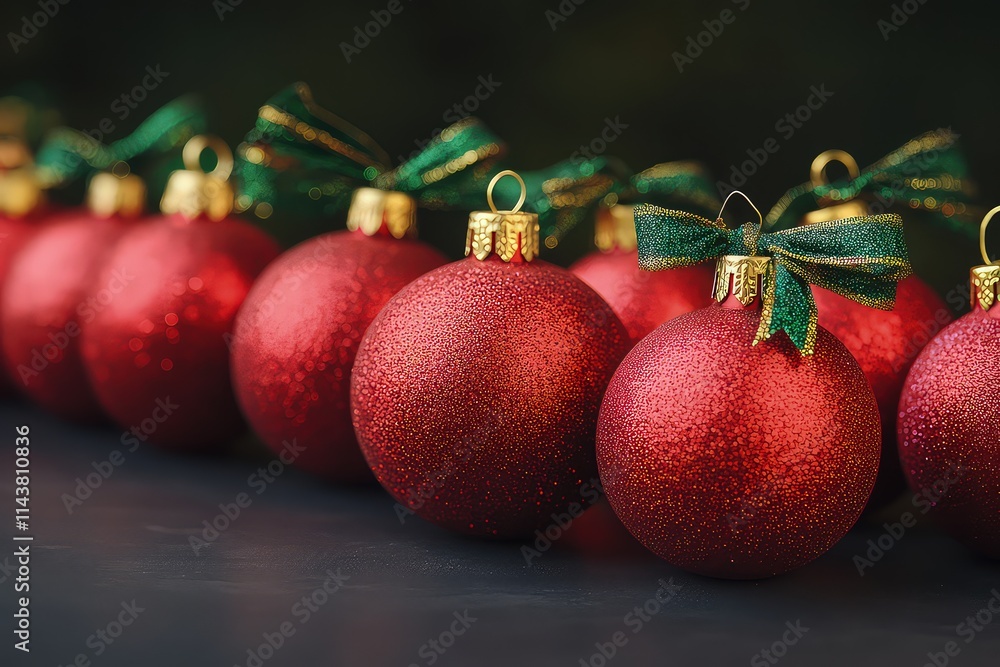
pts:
pixel 565 193
pixel 68 154
pixel 860 258
pixel 683 184
pixel 568 192
pixel 927 173
pixel 301 159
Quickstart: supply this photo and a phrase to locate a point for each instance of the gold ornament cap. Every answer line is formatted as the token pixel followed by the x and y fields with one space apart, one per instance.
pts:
pixel 985 279
pixel 20 190
pixel 739 275
pixel 851 208
pixel 117 192
pixel 615 228
pixel 14 153
pixel 512 234
pixel 373 210
pixel 193 192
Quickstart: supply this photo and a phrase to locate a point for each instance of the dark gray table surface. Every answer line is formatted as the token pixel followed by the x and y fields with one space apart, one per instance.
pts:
pixel 129 541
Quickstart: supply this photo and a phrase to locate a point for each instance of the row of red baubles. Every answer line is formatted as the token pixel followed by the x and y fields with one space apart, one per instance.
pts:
pixel 473 390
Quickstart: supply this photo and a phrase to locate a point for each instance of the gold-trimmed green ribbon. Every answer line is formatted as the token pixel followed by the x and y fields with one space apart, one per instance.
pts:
pixel 68 154
pixel 682 184
pixel 564 194
pixel 927 173
pixel 301 159
pixel 859 258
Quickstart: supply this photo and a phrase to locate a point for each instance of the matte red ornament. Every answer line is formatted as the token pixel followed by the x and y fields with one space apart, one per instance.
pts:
pixel 157 354
pixel 885 343
pixel 949 429
pixel 297 335
pixel 51 291
pixel 736 460
pixel 642 300
pixel 475 391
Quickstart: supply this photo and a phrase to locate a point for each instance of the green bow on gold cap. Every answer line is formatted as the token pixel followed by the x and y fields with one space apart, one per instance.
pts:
pixel 68 154
pixel 860 258
pixel 927 173
pixel 300 158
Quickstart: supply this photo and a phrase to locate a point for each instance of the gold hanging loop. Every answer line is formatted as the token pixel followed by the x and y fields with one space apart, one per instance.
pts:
pixel 191 191
pixel 986 279
pixel 752 205
pixel 835 209
pixel 493 183
pixel 982 235
pixel 817 171
pixel 223 155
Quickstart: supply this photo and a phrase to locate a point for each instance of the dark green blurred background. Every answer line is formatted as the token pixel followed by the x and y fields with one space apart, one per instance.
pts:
pixel 556 87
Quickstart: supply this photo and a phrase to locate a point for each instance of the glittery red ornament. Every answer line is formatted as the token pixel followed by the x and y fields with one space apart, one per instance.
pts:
pixel 158 348
pixel 156 352
pixel 297 335
pixel 50 292
pixel 885 343
pixel 949 429
pixel 14 233
pixel 737 460
pixel 642 300
pixel 45 301
pixel 475 391
pixel 22 213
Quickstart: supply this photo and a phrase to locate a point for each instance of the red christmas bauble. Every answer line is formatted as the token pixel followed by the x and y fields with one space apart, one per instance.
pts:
pixel 644 300
pixel 737 460
pixel 885 343
pixel 475 394
pixel 949 429
pixel 48 295
pixel 156 350
pixel 297 335
pixel 14 234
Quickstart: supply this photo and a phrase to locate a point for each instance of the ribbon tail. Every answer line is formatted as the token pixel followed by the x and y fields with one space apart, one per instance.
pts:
pixel 794 313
